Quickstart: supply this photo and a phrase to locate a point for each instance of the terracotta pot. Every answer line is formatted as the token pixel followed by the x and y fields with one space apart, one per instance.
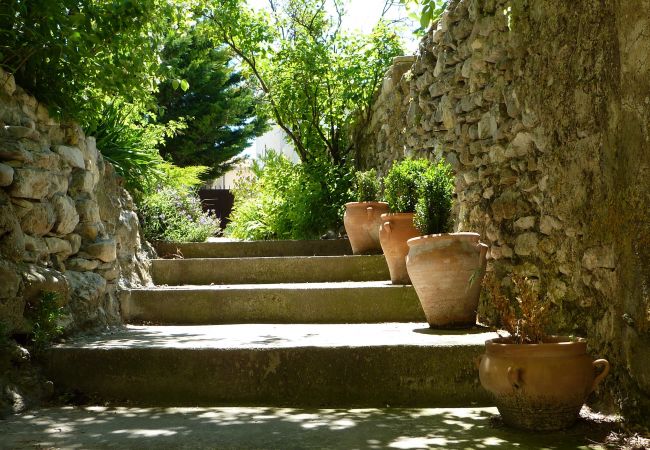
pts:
pixel 362 221
pixel 395 230
pixel 540 386
pixel 446 271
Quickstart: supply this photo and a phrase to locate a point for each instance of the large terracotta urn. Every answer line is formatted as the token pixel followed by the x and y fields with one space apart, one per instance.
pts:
pixel 540 386
pixel 362 221
pixel 446 271
pixel 396 229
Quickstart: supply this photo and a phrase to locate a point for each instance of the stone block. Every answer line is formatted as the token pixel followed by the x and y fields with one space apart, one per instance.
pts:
pixel 67 217
pixel 549 223
pixel 88 210
pixel 75 242
pixel 89 230
pixel 71 155
pixel 57 245
pixel 13 132
pixel 81 264
pixel 14 151
pixel 11 314
pixel 6 175
pixel 104 250
pixel 87 289
pixel 39 220
pixel 7 83
pixel 83 182
pixel 525 223
pixel 526 244
pixel 38 279
pixel 30 183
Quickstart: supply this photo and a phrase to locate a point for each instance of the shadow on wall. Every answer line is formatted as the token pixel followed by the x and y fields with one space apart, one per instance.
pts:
pixel 285 428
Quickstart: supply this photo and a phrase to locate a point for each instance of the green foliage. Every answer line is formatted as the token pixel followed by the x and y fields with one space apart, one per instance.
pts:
pixel 401 185
pixel 426 12
pixel 368 186
pixel 283 200
pixel 175 215
pixel 44 316
pixel 73 54
pixel 219 106
pixel 436 190
pixel 315 78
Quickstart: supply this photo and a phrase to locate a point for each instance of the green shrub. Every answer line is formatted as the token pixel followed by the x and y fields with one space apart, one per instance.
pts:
pixel 368 186
pixel 175 215
pixel 402 182
pixel 44 316
pixel 282 200
pixel 433 209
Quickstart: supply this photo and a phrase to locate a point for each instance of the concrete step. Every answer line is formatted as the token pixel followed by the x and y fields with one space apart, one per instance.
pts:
pixel 346 302
pixel 292 269
pixel 373 365
pixel 99 427
pixel 252 249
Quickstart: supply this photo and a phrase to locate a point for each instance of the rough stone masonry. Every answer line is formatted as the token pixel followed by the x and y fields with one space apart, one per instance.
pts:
pixel 66 224
pixel 543 110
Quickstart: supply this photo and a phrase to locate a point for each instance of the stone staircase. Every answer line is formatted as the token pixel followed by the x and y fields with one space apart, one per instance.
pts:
pixel 296 323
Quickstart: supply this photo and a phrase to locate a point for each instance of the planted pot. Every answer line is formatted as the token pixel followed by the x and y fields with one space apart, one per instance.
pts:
pixel 540 386
pixel 362 221
pixel 446 271
pixel 396 229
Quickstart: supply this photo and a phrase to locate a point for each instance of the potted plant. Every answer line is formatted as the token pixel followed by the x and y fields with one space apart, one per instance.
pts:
pixel 538 381
pixel 446 269
pixel 363 217
pixel 401 190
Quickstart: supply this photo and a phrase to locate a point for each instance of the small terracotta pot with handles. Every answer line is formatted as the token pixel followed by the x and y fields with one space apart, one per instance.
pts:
pixel 362 221
pixel 396 229
pixel 540 386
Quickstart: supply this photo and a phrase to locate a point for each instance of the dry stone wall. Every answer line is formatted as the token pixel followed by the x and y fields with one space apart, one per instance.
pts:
pixel 66 224
pixel 543 110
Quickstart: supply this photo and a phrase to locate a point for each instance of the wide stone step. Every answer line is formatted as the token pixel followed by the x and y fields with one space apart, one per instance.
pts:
pixel 93 427
pixel 397 364
pixel 294 269
pixel 251 249
pixel 346 302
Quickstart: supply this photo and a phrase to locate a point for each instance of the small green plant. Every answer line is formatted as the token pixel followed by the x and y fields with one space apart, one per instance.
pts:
pixel 433 210
pixel 401 185
pixel 368 186
pixel 524 315
pixel 45 314
pixel 175 215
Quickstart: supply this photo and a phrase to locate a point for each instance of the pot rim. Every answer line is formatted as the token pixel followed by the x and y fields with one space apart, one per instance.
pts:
pixel 563 345
pixel 461 235
pixel 352 204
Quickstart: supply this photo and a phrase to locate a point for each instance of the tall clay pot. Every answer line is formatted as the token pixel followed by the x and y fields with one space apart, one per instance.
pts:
pixel 362 221
pixel 395 230
pixel 446 271
pixel 540 386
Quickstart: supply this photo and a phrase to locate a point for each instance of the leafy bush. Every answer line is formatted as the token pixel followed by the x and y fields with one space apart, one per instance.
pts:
pixel 368 186
pixel 44 315
pixel 402 183
pixel 433 210
pixel 175 214
pixel 282 200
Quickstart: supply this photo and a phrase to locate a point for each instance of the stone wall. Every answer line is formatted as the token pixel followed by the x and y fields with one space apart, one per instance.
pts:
pixel 543 110
pixel 66 224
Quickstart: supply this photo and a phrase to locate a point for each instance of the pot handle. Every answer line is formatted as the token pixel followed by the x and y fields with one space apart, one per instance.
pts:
pixel 482 248
pixel 386 226
pixel 514 376
pixel 369 211
pixel 605 365
pixel 478 360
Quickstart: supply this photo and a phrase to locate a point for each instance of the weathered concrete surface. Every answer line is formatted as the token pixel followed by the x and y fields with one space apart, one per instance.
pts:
pixel 399 364
pixel 252 249
pixel 283 428
pixel 294 269
pixel 347 302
